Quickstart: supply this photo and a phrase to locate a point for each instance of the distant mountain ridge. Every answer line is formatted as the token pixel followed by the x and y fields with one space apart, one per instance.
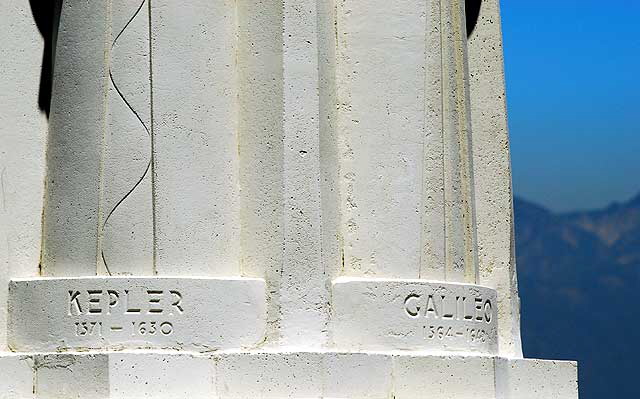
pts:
pixel 618 226
pixel 579 278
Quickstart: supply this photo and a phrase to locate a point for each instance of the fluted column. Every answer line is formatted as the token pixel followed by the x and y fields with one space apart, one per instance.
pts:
pixel 410 269
pixel 283 186
pixel 461 263
pixel 125 207
pixel 23 128
pixel 404 131
pixel 74 150
pixel 142 197
pixel 496 248
pixel 287 154
pixel 142 155
pixel 194 82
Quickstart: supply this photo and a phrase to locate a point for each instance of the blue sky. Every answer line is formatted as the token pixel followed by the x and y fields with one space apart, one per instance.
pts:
pixel 573 70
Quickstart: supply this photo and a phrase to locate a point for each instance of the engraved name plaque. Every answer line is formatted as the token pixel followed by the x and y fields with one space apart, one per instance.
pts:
pixel 376 314
pixel 57 314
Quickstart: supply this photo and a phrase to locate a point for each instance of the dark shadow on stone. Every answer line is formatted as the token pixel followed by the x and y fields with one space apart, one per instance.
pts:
pixel 472 9
pixel 46 14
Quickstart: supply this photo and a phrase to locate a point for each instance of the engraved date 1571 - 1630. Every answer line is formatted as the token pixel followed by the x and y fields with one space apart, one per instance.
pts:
pixel 133 312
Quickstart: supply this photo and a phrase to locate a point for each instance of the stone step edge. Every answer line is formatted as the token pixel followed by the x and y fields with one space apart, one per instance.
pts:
pixel 274 374
pixel 279 352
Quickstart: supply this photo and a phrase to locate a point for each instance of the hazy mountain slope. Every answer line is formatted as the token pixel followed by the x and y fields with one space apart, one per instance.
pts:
pixel 579 278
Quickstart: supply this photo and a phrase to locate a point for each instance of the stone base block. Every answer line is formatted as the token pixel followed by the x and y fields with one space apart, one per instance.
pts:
pixel 532 379
pixel 198 314
pixel 249 375
pixel 380 314
pixel 17 376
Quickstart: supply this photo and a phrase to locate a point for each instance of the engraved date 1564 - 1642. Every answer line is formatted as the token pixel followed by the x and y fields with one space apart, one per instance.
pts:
pixel 442 310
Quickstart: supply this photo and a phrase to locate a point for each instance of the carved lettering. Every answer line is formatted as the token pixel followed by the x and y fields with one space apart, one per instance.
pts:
pixel 114 297
pixel 74 303
pixel 178 301
pixel 166 328
pixel 155 296
pixel 451 314
pixel 411 305
pixel 431 307
pixel 94 301
pixel 130 309
pixel 465 307
pixel 488 311
pixel 444 307
pixel 479 308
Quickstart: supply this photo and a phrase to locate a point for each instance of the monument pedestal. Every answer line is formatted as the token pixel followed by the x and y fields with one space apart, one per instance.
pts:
pixel 272 199
pixel 391 338
pixel 265 374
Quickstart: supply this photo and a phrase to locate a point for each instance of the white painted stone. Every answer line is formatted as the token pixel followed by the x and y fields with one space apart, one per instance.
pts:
pixel 270 375
pixel 143 150
pixel 445 377
pixel 123 375
pixel 288 169
pixel 71 376
pixel 404 140
pixel 99 174
pixel 315 157
pixel 358 375
pixel 304 375
pixel 23 128
pixel 74 145
pixel 374 314
pixel 98 124
pixel 303 290
pixel 125 231
pixel 536 379
pixel 282 374
pixel 195 142
pixel 461 263
pixel 260 110
pixel 161 375
pixel 101 313
pixel 16 376
pixel 380 84
pixel 492 171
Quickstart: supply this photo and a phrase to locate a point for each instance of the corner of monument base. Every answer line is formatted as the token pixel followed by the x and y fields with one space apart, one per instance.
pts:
pixel 165 374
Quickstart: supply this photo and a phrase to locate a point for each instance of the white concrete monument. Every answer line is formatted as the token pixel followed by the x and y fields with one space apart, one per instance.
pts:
pixel 260 199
